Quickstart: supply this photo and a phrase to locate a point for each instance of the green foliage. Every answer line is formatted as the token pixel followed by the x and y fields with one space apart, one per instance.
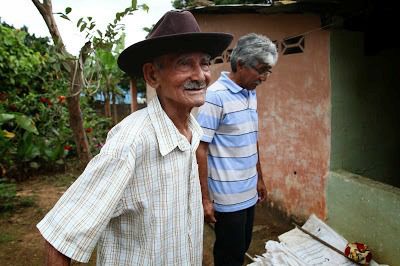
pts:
pixel 18 63
pixel 27 201
pixel 34 120
pixel 31 81
pixel 8 195
pixel 34 86
pixel 113 30
pixel 96 126
pixel 35 140
pixel 9 199
pixel 181 4
pixel 6 238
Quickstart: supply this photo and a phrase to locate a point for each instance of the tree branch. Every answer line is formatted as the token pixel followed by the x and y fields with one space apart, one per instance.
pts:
pixel 46 10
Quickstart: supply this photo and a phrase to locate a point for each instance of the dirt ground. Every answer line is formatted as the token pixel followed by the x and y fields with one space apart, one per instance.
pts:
pixel 21 243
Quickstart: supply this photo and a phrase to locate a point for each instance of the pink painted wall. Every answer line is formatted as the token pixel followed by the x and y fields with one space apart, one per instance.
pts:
pixel 293 107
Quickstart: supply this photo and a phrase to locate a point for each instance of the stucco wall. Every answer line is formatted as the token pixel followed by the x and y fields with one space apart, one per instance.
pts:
pixel 365 130
pixel 365 211
pixel 365 109
pixel 293 107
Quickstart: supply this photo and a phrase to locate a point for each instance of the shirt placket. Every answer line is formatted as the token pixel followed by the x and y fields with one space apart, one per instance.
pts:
pixel 190 211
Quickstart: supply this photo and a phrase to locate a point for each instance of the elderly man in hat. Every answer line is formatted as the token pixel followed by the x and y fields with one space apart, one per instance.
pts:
pixel 139 200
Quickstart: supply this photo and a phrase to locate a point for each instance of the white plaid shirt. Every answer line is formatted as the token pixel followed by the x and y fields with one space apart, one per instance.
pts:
pixel 139 199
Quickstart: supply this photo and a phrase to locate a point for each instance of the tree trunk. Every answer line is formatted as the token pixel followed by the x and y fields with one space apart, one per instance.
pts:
pixel 134 103
pixel 76 123
pixel 107 104
pixel 74 69
pixel 115 111
pixel 74 109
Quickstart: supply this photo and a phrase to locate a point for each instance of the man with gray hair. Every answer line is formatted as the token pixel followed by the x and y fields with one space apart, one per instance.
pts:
pixel 229 166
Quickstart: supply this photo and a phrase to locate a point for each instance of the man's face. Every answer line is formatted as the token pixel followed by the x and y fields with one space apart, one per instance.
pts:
pixel 252 76
pixel 182 79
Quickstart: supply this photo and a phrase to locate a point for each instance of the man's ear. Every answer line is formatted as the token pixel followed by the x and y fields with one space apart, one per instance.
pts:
pixel 150 75
pixel 239 65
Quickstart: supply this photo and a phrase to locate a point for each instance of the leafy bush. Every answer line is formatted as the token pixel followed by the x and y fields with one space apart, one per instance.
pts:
pixel 18 63
pixel 34 125
pixel 34 121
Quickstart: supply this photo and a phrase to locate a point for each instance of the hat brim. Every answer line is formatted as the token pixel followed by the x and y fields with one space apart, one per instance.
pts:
pixel 132 58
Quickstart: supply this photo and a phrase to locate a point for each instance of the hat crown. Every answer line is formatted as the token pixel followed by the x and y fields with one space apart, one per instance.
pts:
pixel 176 32
pixel 174 22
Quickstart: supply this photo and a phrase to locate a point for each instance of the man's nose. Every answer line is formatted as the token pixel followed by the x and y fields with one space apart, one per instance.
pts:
pixel 263 78
pixel 198 73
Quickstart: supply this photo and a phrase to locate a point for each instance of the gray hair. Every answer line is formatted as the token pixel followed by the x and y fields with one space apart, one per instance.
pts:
pixel 253 49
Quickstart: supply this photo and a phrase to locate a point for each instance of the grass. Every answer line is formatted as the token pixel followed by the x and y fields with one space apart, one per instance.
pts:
pixel 8 195
pixel 6 238
pixel 28 201
pixel 60 180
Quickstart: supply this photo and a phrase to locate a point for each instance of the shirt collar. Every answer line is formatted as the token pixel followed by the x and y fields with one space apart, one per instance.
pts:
pixel 230 84
pixel 168 136
pixel 233 87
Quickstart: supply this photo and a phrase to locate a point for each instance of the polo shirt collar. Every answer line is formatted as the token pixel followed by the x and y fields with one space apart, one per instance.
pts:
pixel 230 84
pixel 168 136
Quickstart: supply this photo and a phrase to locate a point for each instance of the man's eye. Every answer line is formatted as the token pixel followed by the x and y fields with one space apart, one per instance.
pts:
pixel 206 63
pixel 183 63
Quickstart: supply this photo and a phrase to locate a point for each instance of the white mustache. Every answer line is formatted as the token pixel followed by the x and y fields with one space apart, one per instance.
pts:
pixel 191 85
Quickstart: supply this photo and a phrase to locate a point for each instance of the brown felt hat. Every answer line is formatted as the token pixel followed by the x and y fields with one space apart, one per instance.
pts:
pixel 176 31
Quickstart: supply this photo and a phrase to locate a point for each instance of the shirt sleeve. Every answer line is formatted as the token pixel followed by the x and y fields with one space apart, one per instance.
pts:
pixel 78 219
pixel 210 115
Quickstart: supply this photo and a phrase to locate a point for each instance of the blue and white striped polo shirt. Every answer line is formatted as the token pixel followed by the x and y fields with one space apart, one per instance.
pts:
pixel 230 124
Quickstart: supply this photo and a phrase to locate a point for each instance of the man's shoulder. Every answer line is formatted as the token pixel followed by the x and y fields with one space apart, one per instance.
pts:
pixel 217 92
pixel 131 126
pixel 217 86
pixel 128 133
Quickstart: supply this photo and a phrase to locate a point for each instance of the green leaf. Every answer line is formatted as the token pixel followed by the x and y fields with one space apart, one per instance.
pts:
pixel 92 25
pixel 68 10
pixel 60 162
pixel 65 17
pixel 100 34
pixel 55 131
pixel 26 123
pixel 66 66
pixel 83 26
pixel 28 150
pixel 134 4
pixel 145 7
pixel 79 22
pixel 6 117
pixel 34 165
pixel 51 153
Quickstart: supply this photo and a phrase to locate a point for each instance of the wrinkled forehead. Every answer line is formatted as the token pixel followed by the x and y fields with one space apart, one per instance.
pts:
pixel 264 66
